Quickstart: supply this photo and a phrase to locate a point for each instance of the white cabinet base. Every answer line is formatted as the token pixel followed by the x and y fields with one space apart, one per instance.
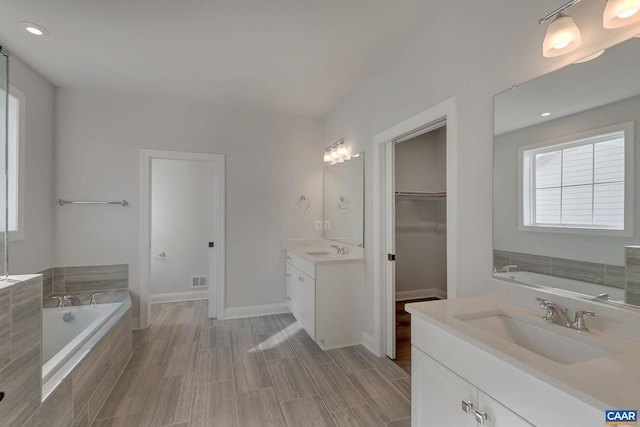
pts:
pixel 326 298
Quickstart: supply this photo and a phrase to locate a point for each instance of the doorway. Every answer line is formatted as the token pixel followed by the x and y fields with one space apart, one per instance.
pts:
pixel 182 216
pixel 383 341
pixel 420 227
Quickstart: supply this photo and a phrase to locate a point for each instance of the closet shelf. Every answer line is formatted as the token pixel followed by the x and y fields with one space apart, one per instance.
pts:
pixel 420 195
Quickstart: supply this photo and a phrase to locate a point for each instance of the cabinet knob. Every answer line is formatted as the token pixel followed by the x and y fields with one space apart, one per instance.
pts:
pixel 300 278
pixel 288 299
pixel 288 257
pixel 467 406
pixel 481 417
pixel 288 275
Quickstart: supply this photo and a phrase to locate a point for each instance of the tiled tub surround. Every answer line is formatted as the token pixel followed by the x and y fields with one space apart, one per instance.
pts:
pixel 632 291
pixel 74 393
pixel 600 274
pixel 91 278
pixel 20 341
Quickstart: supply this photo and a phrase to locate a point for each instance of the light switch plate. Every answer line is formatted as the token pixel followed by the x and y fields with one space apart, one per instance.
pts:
pixel 327 225
pixel 318 224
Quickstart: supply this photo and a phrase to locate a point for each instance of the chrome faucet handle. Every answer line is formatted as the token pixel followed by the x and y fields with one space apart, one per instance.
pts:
pixel 543 302
pixel 60 301
pixel 578 323
pixel 93 297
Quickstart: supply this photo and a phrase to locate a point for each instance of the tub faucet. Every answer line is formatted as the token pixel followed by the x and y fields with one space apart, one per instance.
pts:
pixel 93 298
pixel 507 268
pixel 60 301
pixel 74 299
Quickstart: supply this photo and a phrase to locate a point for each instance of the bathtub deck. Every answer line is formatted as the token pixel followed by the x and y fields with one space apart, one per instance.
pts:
pixel 190 371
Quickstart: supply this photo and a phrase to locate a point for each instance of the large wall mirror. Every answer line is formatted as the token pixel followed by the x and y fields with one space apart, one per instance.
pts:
pixel 343 201
pixel 566 191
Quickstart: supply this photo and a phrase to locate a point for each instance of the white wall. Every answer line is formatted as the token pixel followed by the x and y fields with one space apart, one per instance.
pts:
pixel 600 249
pixel 182 219
pixel 421 162
pixel 470 50
pixel 271 159
pixel 35 252
pixel 421 225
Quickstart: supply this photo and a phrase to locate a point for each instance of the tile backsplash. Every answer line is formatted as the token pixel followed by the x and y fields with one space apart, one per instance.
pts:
pixel 632 254
pixel 72 280
pixel 600 274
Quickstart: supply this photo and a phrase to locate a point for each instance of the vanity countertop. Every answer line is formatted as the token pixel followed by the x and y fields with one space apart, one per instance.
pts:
pixel 323 254
pixel 607 382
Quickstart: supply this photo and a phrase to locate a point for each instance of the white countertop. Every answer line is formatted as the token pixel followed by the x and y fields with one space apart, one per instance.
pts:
pixel 305 249
pixel 609 382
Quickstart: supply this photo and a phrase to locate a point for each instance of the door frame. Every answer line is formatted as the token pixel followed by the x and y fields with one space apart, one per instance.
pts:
pixel 383 175
pixel 146 156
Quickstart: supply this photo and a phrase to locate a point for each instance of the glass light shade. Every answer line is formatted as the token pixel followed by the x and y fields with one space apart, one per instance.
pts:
pixel 342 150
pixel 562 36
pixel 327 156
pixel 334 152
pixel 589 57
pixel 619 13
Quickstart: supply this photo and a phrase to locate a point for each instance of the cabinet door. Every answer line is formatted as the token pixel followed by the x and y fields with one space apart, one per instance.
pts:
pixel 305 302
pixel 289 290
pixel 498 415
pixel 438 395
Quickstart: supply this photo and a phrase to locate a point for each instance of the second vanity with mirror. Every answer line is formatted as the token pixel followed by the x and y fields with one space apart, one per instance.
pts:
pixel 325 277
pixel 510 360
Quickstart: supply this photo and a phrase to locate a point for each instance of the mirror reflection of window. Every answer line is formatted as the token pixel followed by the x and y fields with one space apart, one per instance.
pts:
pixel 578 184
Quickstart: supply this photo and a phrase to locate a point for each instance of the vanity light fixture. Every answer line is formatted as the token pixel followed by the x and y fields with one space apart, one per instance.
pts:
pixel 619 13
pixel 562 35
pixel 336 152
pixel 35 29
pixel 590 57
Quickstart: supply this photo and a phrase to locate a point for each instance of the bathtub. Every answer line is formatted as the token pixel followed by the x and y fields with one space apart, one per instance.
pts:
pixel 64 344
pixel 585 288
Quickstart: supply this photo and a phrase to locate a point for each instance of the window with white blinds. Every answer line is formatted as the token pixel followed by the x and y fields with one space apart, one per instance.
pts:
pixel 577 184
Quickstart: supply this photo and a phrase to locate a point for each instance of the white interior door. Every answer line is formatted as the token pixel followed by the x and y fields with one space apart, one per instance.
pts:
pixel 390 249
pixel 182 229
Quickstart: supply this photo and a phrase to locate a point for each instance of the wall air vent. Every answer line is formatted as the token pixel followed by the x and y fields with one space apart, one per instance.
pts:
pixel 198 281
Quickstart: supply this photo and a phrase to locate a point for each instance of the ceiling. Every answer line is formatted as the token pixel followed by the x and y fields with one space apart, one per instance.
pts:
pixel 296 56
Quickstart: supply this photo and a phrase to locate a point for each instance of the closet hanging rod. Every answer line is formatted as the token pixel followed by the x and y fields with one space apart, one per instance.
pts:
pixel 421 194
pixel 62 202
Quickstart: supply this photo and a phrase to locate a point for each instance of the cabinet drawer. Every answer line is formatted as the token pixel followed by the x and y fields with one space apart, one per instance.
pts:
pixel 307 267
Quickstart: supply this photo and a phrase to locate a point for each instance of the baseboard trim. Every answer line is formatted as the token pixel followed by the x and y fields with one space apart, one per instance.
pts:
pixel 421 293
pixel 178 296
pixel 255 310
pixel 367 342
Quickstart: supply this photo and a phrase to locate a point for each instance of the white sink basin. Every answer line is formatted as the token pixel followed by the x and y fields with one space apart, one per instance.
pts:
pixel 315 253
pixel 545 342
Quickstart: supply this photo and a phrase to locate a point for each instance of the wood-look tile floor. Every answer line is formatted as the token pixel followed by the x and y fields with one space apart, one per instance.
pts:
pixel 190 371
pixel 403 334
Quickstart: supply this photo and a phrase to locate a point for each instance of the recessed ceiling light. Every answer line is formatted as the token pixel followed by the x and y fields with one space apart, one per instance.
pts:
pixel 545 114
pixel 35 29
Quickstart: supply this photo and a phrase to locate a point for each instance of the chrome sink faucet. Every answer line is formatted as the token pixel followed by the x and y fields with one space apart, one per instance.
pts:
pixel 555 313
pixel 559 315
pixel 339 249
